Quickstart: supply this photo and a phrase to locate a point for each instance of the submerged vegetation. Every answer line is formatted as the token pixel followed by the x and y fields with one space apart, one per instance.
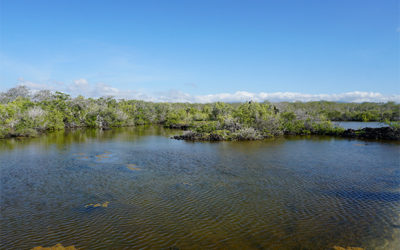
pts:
pixel 23 113
pixel 55 247
pixel 93 205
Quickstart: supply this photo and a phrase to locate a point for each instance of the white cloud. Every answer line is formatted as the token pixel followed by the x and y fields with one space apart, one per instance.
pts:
pixel 83 87
pixel 356 96
pixel 54 85
pixel 81 83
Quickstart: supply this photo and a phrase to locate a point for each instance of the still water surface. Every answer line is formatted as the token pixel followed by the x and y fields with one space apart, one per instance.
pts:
pixel 284 193
pixel 360 125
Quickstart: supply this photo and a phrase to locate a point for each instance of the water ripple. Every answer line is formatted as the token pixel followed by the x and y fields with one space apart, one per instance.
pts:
pixel 284 195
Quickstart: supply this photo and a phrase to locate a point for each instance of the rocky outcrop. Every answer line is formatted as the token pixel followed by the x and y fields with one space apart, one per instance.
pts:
pixel 385 133
pixel 178 126
pixel 192 136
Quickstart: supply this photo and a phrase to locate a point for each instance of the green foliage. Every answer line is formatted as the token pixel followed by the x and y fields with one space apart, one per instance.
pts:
pixel 336 111
pixel 219 110
pixel 252 113
pixel 206 127
pixel 395 125
pixel 55 120
pixel 25 114
pixel 175 117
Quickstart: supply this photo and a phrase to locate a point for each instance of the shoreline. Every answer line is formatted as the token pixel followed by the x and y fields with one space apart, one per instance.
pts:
pixel 368 133
pixel 384 133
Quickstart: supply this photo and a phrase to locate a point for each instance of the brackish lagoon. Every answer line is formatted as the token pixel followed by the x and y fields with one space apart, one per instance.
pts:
pixel 137 188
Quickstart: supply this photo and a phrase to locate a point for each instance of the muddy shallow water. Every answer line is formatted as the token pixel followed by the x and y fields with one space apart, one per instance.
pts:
pixel 137 188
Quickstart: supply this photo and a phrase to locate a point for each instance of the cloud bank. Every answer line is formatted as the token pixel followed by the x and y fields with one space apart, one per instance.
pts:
pixel 83 87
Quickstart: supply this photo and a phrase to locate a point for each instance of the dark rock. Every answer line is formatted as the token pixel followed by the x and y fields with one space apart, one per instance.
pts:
pixel 179 126
pixel 193 136
pixel 385 133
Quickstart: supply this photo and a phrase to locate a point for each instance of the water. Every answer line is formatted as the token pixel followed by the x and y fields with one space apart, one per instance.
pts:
pixel 360 125
pixel 284 193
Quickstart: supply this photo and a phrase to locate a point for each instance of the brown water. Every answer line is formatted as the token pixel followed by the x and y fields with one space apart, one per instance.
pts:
pixel 136 188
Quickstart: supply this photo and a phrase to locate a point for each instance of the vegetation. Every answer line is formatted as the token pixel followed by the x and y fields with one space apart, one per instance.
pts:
pixel 23 113
pixel 336 111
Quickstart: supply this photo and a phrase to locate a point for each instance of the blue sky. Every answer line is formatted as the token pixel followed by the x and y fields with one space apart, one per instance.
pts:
pixel 174 49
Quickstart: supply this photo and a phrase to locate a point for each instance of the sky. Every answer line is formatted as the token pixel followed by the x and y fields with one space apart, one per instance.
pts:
pixel 204 50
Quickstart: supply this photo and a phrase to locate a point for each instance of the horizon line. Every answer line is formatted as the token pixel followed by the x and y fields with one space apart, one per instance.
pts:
pixel 83 88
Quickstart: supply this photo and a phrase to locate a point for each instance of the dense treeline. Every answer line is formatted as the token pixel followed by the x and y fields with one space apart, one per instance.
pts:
pixel 336 111
pixel 23 113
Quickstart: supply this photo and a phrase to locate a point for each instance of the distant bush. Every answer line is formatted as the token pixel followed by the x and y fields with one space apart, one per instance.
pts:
pixel 394 125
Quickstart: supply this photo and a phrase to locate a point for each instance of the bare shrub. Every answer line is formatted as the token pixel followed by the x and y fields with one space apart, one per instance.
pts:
pixel 247 134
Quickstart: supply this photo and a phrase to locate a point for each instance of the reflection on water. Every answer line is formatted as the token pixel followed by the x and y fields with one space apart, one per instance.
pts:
pixel 135 188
